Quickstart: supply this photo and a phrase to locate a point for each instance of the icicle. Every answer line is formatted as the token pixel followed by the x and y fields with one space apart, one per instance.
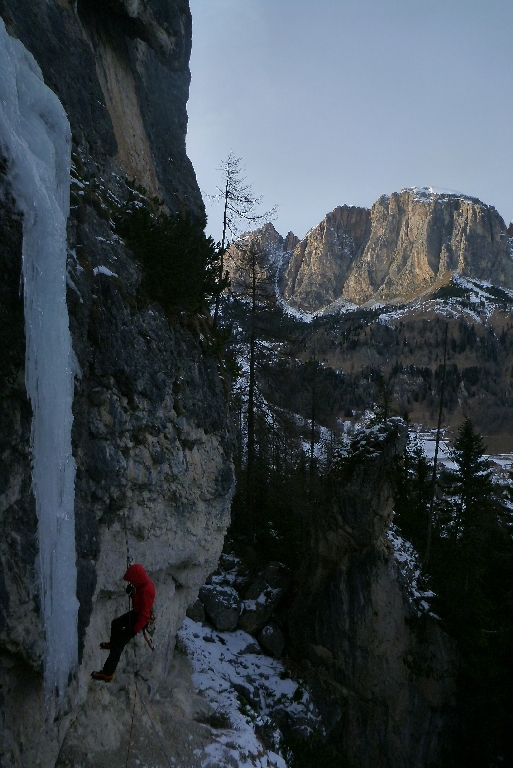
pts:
pixel 35 138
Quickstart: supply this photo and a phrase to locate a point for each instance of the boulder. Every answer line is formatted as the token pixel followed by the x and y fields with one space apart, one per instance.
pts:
pixel 256 588
pixel 258 606
pixel 276 575
pixel 272 640
pixel 196 611
pixel 252 648
pixel 222 606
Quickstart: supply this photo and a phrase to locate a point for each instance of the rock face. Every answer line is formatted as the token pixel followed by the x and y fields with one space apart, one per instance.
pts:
pixel 380 671
pixel 408 242
pixel 150 436
pixel 121 71
pixel 320 264
pixel 257 256
pixel 418 236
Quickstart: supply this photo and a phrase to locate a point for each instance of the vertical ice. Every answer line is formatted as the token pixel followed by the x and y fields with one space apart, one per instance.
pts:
pixel 35 138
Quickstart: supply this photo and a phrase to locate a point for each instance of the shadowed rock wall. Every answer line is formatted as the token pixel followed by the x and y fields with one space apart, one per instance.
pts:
pixel 150 434
pixel 121 71
pixel 380 672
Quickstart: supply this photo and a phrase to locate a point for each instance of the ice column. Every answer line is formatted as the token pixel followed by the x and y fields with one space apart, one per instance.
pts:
pixel 35 138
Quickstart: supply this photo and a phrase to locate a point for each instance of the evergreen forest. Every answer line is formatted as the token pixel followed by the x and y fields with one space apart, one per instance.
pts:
pixel 459 523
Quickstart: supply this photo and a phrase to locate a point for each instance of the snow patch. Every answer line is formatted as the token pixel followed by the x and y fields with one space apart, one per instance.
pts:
pixel 249 689
pixel 101 270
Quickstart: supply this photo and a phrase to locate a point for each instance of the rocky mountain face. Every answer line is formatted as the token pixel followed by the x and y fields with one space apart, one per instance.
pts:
pixel 320 264
pixel 121 71
pixel 407 243
pixel 258 256
pixel 150 436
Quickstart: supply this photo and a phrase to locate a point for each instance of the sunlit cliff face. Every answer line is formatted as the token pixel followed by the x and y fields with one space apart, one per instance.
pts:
pixel 407 243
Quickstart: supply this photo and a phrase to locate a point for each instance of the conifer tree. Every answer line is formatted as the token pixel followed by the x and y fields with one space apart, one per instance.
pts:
pixel 240 207
pixel 412 491
pixel 472 492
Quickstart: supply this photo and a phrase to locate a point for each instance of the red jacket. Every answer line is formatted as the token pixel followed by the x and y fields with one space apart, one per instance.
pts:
pixel 144 596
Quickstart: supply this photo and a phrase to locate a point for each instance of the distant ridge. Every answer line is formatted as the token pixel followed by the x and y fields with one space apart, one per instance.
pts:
pixel 406 243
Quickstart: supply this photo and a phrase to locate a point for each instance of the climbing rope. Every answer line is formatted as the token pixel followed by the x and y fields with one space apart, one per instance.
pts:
pixel 135 663
pixel 131 728
pixel 136 673
pixel 152 723
pixel 128 556
pixel 149 640
pixel 128 559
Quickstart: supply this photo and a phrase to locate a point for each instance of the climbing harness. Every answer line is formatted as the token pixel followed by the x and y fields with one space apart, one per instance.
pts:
pixel 149 630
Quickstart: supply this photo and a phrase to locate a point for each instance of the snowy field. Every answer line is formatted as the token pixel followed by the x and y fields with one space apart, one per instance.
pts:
pixel 427 440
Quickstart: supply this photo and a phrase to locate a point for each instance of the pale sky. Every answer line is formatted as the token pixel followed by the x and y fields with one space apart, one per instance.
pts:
pixel 339 101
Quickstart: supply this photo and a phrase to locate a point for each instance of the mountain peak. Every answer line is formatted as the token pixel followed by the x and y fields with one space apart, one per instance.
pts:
pixel 408 242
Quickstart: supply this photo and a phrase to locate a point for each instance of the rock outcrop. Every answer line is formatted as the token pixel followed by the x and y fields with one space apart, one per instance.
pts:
pixel 417 237
pixel 381 673
pixel 407 243
pixel 258 257
pixel 150 436
pixel 320 264
pixel 121 71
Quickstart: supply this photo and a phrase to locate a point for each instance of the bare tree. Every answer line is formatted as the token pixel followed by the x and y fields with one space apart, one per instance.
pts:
pixel 251 395
pixel 240 208
pixel 250 251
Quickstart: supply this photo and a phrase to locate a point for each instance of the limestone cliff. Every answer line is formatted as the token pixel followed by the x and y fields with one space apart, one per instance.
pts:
pixel 150 435
pixel 407 243
pixel 121 71
pixel 320 264
pixel 418 236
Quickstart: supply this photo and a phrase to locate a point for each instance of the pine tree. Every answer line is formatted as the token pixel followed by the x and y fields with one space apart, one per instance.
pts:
pixel 412 493
pixel 472 570
pixel 474 513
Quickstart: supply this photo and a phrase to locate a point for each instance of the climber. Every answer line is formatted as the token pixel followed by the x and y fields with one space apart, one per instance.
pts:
pixel 124 628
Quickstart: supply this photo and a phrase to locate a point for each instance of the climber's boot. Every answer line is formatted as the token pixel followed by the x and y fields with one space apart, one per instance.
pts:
pixel 102 676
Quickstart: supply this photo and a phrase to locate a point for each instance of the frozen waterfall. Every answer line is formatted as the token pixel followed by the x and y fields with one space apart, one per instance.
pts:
pixel 35 138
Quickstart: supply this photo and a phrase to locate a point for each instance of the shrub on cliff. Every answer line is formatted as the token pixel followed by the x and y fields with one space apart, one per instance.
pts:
pixel 181 265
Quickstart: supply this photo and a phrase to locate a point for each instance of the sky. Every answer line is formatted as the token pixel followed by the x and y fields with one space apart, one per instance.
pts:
pixel 333 102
